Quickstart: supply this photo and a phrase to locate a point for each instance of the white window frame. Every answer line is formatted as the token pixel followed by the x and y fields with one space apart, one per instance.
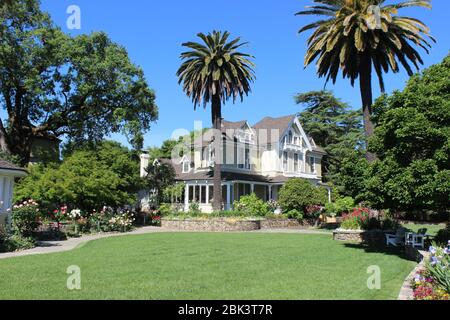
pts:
pixel 247 158
pixel 285 161
pixel 184 164
pixel 312 164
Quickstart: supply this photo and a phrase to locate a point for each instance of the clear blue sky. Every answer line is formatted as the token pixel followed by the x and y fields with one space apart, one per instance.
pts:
pixel 152 32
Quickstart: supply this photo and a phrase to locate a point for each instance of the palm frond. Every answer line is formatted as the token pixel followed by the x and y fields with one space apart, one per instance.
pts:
pixel 215 67
pixel 353 33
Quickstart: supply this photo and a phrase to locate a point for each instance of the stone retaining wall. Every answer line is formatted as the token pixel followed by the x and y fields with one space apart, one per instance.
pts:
pixel 372 236
pixel 213 225
pixel 230 224
pixel 281 224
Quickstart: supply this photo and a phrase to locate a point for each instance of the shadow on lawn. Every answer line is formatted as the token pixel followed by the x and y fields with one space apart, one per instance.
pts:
pixel 399 251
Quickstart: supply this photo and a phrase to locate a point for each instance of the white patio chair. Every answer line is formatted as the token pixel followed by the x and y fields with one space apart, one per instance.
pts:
pixel 415 240
pixel 397 238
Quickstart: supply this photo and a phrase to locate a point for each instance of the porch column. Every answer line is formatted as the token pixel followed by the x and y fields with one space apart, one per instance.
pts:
pixel 228 204
pixel 2 196
pixel 186 198
pixel 329 195
pixel 9 185
pixel 304 161
pixel 252 188
pixel 270 192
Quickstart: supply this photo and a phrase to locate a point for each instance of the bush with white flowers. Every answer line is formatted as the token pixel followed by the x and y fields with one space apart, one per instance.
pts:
pixel 121 222
pixel 25 218
pixel 75 214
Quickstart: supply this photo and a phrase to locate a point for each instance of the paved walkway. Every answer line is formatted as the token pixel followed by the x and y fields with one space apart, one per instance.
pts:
pixel 70 244
pixel 406 292
pixel 45 247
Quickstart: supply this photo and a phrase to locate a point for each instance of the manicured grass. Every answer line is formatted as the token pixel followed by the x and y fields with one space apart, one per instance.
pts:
pixel 207 266
pixel 432 229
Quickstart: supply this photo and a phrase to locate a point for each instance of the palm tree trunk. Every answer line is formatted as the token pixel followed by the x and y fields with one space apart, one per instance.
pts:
pixel 216 107
pixel 365 81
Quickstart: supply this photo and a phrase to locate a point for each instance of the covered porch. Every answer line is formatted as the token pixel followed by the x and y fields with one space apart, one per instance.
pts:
pixel 201 192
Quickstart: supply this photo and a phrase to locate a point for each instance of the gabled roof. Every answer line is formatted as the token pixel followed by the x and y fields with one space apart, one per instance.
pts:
pixel 6 165
pixel 233 125
pixel 274 129
pixel 281 123
pixel 268 123
pixel 226 126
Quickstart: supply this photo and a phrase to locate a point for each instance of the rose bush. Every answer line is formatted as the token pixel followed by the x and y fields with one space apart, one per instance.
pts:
pixel 25 218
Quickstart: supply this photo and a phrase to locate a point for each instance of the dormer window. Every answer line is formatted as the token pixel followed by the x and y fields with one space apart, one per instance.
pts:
pixel 186 164
pixel 290 137
pixel 245 135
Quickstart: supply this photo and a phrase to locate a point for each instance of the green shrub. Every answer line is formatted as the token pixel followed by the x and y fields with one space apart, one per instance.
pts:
pixel 443 236
pixel 25 218
pixel 294 214
pixel 15 242
pixel 165 209
pixel 352 223
pixel 340 206
pixel 299 193
pixel 194 209
pixel 252 206
pixel 231 213
pixel 389 224
pixel 371 224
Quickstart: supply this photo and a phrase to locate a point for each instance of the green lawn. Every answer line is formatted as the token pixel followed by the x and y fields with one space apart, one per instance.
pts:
pixel 432 229
pixel 206 266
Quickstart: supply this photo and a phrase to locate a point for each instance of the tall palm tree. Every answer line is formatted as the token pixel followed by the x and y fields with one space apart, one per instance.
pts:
pixel 358 35
pixel 213 72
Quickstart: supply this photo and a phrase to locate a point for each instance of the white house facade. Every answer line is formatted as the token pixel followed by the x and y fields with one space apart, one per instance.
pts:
pixel 254 159
pixel 8 174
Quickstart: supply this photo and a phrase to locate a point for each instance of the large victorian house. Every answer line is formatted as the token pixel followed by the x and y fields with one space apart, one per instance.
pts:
pixel 255 159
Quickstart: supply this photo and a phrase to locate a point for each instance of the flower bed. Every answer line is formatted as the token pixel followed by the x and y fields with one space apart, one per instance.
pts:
pixel 432 281
pixel 30 223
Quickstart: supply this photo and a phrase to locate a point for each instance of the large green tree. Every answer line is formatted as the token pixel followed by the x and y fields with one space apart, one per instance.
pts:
pixel 89 178
pixel 412 140
pixel 358 36
pixel 82 87
pixel 334 126
pixel 165 151
pixel 213 72
pixel 160 175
